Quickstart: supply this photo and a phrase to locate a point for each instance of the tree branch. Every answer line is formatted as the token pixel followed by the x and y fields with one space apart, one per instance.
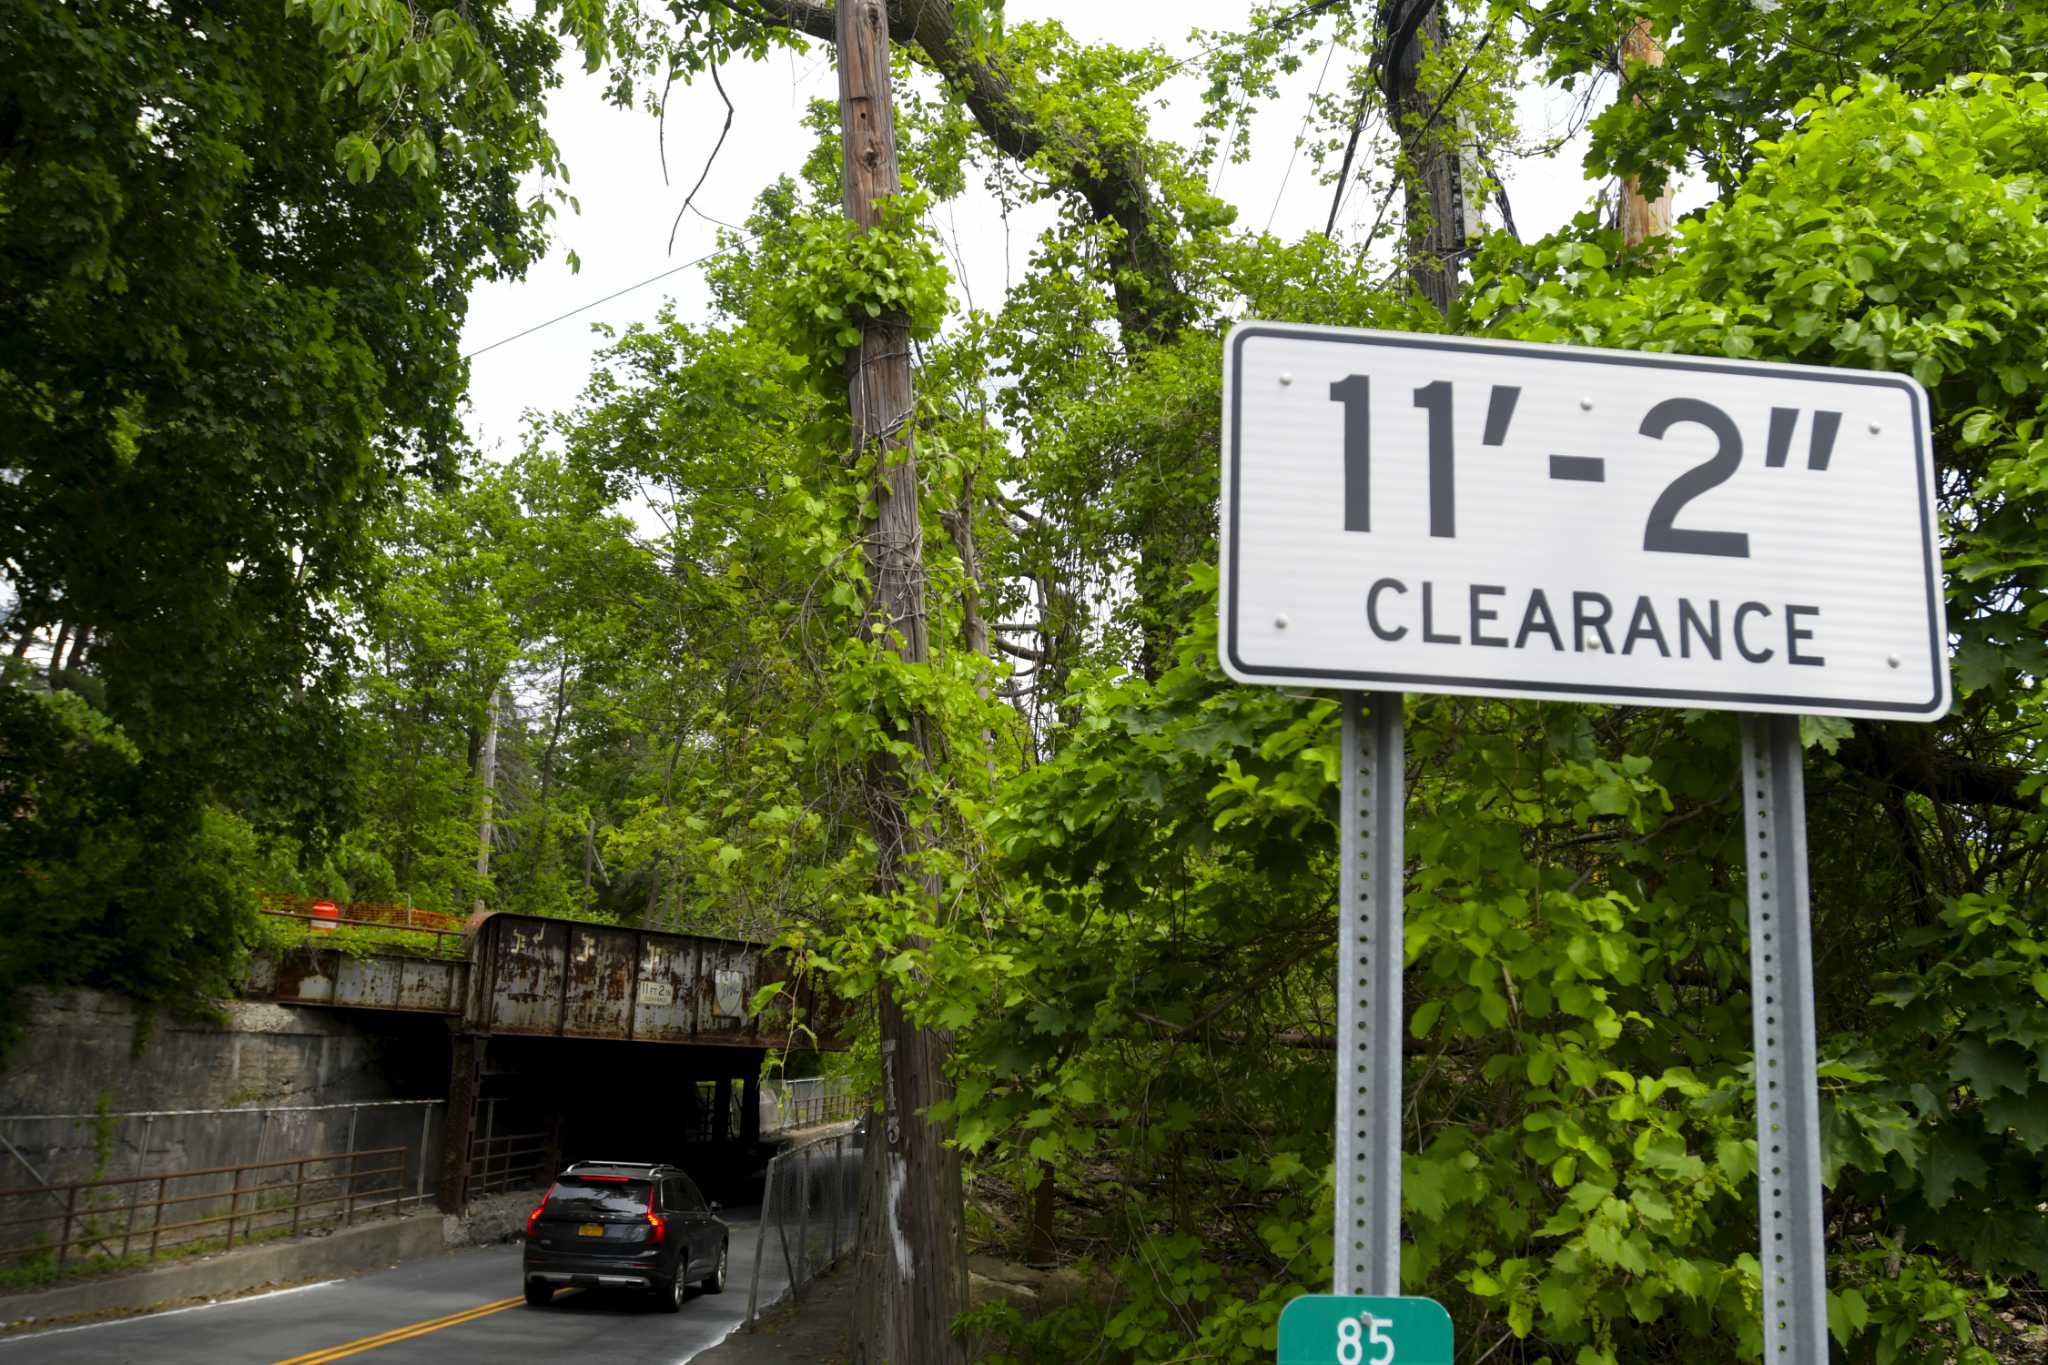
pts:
pixel 1151 304
pixel 1910 760
pixel 709 161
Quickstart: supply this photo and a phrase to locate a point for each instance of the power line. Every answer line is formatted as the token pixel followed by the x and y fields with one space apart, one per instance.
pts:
pixel 617 293
pixel 1312 7
pixel 1299 135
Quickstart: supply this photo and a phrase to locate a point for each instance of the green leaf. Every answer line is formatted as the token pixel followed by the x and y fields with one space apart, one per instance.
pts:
pixel 2022 1116
pixel 1989 1067
pixel 1951 1160
pixel 1587 1196
pixel 1562 1300
pixel 1423 1186
pixel 1848 1314
pixel 1651 1203
pixel 1735 1158
pixel 1493 1007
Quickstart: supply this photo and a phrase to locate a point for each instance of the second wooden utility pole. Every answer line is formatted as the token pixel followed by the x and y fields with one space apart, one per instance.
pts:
pixel 487 817
pixel 1641 218
pixel 912 1269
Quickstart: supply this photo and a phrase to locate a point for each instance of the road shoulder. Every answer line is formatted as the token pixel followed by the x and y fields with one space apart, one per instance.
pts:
pixel 813 1330
pixel 228 1274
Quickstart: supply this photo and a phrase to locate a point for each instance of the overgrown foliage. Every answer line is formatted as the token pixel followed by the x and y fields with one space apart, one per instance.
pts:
pixel 655 607
pixel 219 353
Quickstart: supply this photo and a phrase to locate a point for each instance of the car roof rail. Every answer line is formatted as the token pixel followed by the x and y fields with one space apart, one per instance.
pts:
pixel 617 1165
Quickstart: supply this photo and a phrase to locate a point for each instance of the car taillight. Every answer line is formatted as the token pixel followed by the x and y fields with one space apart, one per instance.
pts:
pixel 657 1229
pixel 534 1217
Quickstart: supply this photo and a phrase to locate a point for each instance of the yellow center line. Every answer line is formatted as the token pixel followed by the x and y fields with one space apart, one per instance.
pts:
pixel 398 1334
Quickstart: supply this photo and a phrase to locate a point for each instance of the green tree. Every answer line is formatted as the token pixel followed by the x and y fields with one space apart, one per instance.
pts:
pixel 1131 923
pixel 219 348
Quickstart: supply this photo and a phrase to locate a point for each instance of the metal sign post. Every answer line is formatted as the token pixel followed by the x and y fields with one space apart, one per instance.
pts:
pixel 1792 1255
pixel 1369 1013
pixel 1426 513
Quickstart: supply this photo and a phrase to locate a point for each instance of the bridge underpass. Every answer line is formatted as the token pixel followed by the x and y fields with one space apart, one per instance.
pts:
pixel 564 1041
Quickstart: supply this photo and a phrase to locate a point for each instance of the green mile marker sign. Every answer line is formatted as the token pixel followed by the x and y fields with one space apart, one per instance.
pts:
pixel 1329 1329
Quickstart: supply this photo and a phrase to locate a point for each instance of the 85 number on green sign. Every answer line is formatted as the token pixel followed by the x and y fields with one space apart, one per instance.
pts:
pixel 1326 1329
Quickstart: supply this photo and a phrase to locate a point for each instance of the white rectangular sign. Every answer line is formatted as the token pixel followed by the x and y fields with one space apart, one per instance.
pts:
pixel 1434 514
pixel 657 993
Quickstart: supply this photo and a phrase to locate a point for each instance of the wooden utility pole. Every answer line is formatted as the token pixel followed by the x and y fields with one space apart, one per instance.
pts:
pixel 1435 203
pixel 1642 219
pixel 912 1266
pixel 487 774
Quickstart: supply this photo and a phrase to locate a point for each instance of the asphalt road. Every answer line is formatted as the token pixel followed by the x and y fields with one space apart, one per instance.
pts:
pixel 460 1307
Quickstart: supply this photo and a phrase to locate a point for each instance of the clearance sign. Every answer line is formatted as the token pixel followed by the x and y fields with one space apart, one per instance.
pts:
pixel 1430 514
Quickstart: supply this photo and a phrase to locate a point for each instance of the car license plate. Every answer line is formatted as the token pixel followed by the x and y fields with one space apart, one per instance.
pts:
pixel 590 1230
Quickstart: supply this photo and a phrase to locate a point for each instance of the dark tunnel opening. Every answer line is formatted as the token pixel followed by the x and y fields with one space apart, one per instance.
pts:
pixel 586 1100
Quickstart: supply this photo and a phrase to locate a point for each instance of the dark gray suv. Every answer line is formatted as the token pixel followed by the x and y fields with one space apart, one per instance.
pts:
pixel 624 1225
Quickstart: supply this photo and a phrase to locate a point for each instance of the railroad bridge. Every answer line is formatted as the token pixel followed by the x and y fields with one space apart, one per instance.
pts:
pixel 566 1040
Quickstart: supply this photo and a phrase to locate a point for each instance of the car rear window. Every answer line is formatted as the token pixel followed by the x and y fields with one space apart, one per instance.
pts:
pixel 581 1198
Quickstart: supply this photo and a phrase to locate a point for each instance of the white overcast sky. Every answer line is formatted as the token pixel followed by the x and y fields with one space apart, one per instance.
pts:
pixel 622 231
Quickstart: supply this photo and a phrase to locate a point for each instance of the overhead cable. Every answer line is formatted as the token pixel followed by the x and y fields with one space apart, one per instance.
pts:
pixel 617 293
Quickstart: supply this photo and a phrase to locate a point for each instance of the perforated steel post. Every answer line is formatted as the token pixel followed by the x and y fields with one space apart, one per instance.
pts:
pixel 1368 1227
pixel 1792 1254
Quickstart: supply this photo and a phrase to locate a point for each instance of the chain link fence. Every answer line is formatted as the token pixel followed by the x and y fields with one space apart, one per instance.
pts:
pixel 810 1202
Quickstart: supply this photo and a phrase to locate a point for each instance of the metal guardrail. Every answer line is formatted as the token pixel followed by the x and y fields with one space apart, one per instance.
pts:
pixel 810 1210
pixel 90 1224
pixel 385 915
pixel 506 1161
pixel 807 1103
pixel 447 942
pixel 81 1148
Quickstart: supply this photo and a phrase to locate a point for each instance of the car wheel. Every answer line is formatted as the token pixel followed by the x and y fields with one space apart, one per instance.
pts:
pixel 669 1297
pixel 715 1281
pixel 539 1293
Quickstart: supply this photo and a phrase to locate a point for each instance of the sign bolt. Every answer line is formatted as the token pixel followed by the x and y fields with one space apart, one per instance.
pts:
pixel 1280 623
pixel 1585 405
pixel 1876 427
pixel 1285 380
pixel 1892 660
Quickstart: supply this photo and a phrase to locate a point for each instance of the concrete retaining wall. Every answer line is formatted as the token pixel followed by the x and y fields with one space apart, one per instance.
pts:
pixel 242 1083
pixel 85 1048
pixel 86 1051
